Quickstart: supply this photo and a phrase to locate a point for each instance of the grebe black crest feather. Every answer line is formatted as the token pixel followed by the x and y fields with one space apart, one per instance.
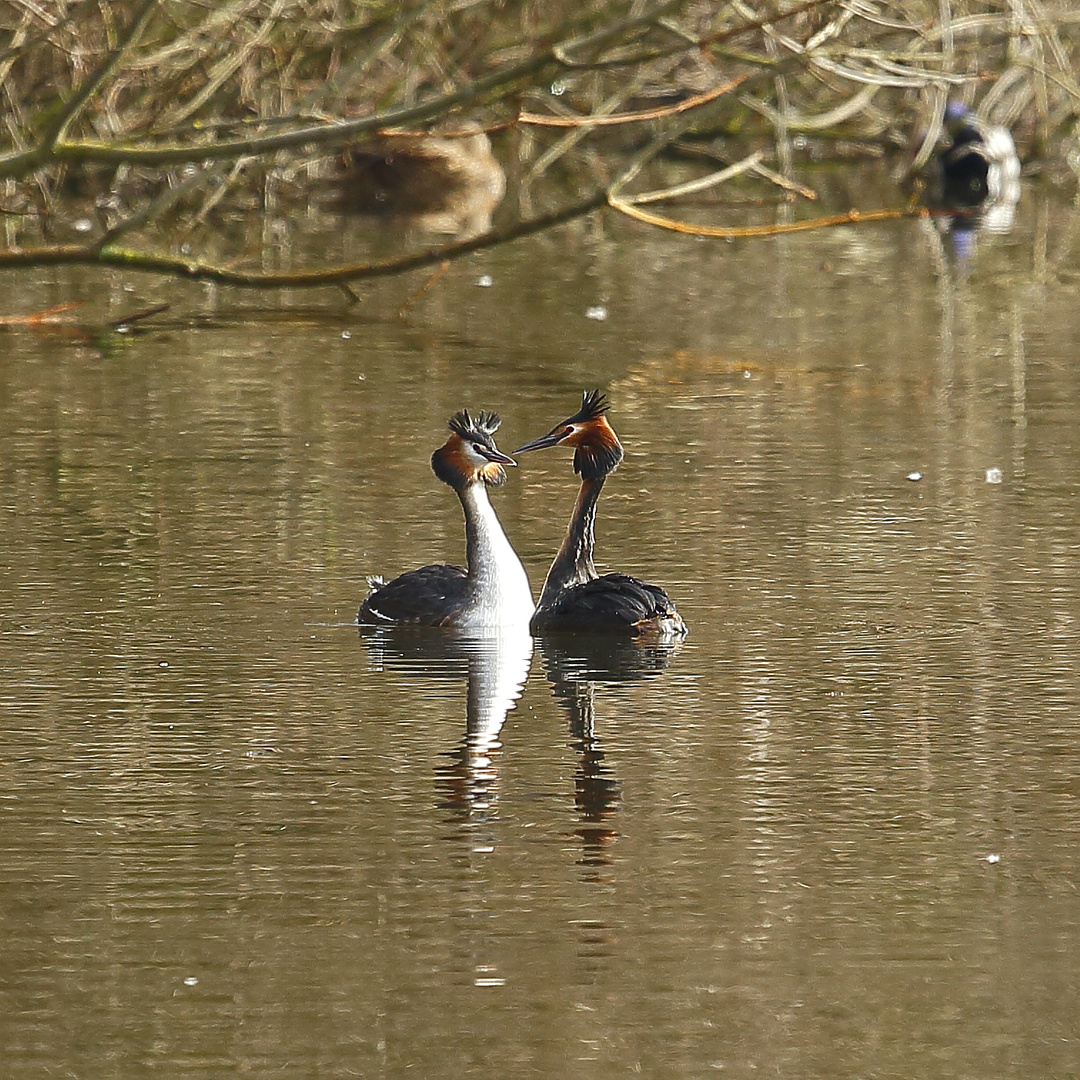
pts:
pixel 593 405
pixel 479 430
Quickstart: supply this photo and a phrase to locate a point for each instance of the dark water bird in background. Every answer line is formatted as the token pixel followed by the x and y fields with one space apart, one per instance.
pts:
pixel 979 175
pixel 575 598
pixel 494 591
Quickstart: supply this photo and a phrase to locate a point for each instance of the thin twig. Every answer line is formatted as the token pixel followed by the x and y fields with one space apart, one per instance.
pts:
pixel 692 187
pixel 851 217
pixel 37 318
pixel 784 182
pixel 538 120
pixel 562 51
pixel 137 316
pixel 153 209
pixel 56 130
pixel 432 278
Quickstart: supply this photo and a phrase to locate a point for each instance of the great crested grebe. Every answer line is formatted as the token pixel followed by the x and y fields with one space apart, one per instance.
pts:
pixel 574 597
pixel 494 592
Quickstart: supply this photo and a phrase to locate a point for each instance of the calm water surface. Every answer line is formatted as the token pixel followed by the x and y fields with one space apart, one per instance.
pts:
pixel 832 835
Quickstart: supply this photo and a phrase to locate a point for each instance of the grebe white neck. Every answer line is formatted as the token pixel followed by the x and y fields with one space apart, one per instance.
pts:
pixel 500 587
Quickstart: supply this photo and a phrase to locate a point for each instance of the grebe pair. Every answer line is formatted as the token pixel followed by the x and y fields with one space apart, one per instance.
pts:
pixel 494 592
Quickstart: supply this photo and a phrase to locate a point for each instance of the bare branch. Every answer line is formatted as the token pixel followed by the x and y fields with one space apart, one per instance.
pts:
pixel 125 259
pixel 703 183
pixel 52 149
pixel 75 104
pixel 632 117
pixel 851 217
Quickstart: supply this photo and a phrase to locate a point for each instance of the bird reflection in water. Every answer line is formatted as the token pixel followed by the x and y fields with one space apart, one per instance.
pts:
pixel 450 183
pixel 575 665
pixel 495 667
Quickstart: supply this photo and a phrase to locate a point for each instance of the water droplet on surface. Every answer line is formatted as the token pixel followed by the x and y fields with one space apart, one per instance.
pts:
pixel 914 475
pixel 191 981
pixel 994 476
pixel 485 281
pixel 597 312
pixel 346 335
pixel 83 225
pixel 993 858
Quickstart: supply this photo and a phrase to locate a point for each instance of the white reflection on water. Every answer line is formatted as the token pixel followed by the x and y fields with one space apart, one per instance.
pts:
pixel 495 668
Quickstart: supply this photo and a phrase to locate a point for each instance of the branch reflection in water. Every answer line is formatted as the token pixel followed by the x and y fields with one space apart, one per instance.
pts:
pixel 574 666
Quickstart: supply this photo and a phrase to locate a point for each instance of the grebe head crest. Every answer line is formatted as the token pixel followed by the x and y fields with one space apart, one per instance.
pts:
pixel 470 454
pixel 481 429
pixel 597 447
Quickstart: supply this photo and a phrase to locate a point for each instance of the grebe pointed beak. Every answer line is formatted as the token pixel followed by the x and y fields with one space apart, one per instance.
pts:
pixel 552 438
pixel 495 455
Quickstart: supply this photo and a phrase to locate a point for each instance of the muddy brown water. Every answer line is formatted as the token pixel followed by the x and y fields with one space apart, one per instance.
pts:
pixel 833 835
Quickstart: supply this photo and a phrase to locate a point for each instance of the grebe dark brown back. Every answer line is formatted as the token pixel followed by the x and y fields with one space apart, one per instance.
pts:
pixel 493 593
pixel 575 598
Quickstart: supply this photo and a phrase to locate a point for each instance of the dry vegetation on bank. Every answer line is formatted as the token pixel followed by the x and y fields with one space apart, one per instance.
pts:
pixel 135 130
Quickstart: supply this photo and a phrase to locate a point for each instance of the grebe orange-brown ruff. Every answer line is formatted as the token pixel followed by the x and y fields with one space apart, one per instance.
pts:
pixel 494 592
pixel 574 597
